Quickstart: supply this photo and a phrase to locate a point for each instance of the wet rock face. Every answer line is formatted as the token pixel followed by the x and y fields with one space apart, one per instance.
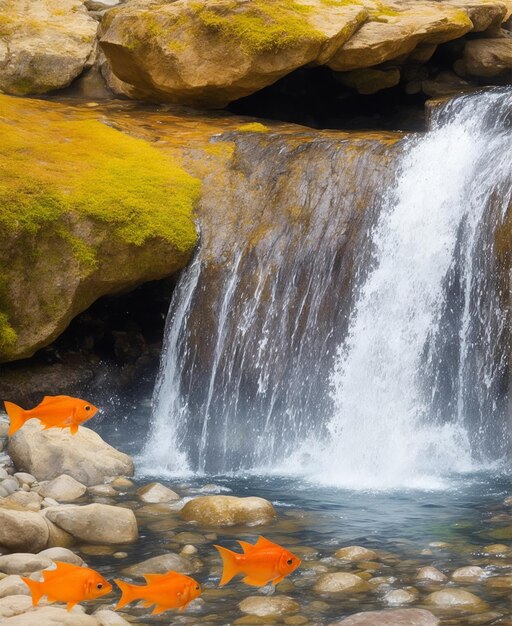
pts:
pixel 228 511
pixel 44 44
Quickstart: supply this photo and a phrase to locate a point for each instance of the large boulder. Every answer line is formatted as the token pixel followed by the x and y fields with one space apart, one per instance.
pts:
pixel 23 563
pixel 23 531
pixel 228 511
pixel 391 617
pixel 44 44
pixel 100 213
pixel 47 454
pixel 488 58
pixel 96 523
pixel 158 49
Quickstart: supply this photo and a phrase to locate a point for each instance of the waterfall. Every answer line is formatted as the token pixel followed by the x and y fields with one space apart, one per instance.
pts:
pixel 365 348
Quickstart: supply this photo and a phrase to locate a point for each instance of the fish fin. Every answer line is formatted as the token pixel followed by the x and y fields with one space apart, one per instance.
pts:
pixel 230 564
pixel 16 416
pixel 278 580
pixel 59 569
pixel 70 605
pixel 156 578
pixel 159 609
pixel 255 582
pixel 73 429
pixel 246 546
pixel 129 593
pixel 36 589
pixel 147 603
pixel 265 543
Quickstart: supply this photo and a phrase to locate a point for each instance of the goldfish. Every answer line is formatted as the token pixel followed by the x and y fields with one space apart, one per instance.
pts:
pixel 68 583
pixel 52 412
pixel 166 591
pixel 262 563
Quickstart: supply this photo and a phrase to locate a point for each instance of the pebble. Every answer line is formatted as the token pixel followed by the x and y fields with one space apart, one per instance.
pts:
pixel 10 485
pixel 398 597
pixel 355 553
pixel 430 573
pixel 469 574
pixel 340 582
pixel 456 598
pixel 268 606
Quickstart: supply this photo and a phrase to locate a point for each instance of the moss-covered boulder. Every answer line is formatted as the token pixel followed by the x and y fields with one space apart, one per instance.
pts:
pixel 210 52
pixel 85 211
pixel 44 44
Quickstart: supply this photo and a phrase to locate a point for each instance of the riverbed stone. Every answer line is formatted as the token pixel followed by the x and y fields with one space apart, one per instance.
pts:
pixel 391 617
pixel 499 582
pixel 488 58
pixel 22 501
pixel 456 599
pixel 22 530
pixel 13 586
pixel 268 606
pixel 96 523
pixel 355 553
pixel 51 616
pixel 23 563
pixel 64 488
pixel 397 597
pixel 62 554
pixel 340 582
pixel 47 454
pixel 24 478
pixel 468 574
pixel 17 604
pixel 430 573
pixel 162 564
pixel 228 511
pixel 106 491
pixel 156 492
pixel 109 618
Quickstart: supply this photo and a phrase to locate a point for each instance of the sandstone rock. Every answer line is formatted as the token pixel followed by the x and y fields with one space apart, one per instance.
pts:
pixel 57 537
pixel 162 564
pixel 355 553
pixel 269 606
pixel 228 511
pixel 398 597
pixel 14 605
pixel 23 563
pixel 102 490
pixel 391 617
pixel 155 492
pixel 13 586
pixel 430 573
pixel 10 485
pixel 62 554
pixel 121 483
pixel 44 44
pixel 471 573
pixel 340 582
pixel 368 81
pixel 64 488
pixel 160 53
pixel 488 58
pixel 50 453
pixel 51 616
pixel 24 478
pixel 22 530
pixel 109 618
pixel 96 523
pixel 22 501
pixel 456 598
pixel 499 582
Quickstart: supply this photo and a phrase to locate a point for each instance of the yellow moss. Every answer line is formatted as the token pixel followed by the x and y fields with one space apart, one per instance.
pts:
pixel 253 127
pixel 52 168
pixel 261 25
pixel 8 335
pixel 221 149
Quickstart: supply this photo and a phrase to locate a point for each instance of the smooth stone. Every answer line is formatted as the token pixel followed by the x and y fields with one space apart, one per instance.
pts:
pixel 391 617
pixel 456 599
pixel 162 564
pixel 156 492
pixel 340 582
pixel 496 548
pixel 120 555
pixel 268 606
pixel 10 485
pixel 51 616
pixel 22 530
pixel 96 523
pixel 398 597
pixel 430 573
pixel 57 537
pixel 355 553
pixel 23 563
pixel 62 554
pixel 471 573
pixel 3 492
pixel 94 550
pixel 504 533
pixel 192 538
pixel 49 502
pixel 109 618
pixel 122 483
pixel 13 586
pixel 22 501
pixel 499 582
pixel 3 474
pixel 102 490
pixel 14 605
pixel 64 488
pixel 228 511
pixel 25 478
pixel 188 550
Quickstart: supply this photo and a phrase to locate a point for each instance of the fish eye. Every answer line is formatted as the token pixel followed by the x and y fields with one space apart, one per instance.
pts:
pixel 99 585
pixel 289 561
pixel 87 408
pixel 198 587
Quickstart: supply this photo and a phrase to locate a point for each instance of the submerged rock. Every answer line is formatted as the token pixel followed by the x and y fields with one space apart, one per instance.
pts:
pixel 456 599
pixel 340 582
pixel 162 564
pixel 355 553
pixel 430 573
pixel 156 492
pixel 64 488
pixel 51 616
pixel 269 606
pixel 228 511
pixel 48 454
pixel 470 573
pixel 391 617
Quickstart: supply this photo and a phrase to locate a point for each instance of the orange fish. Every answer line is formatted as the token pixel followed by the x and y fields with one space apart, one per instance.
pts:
pixel 52 412
pixel 68 583
pixel 165 591
pixel 262 563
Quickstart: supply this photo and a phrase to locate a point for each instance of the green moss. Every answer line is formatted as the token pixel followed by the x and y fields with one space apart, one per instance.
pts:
pixel 253 127
pixel 8 335
pixel 54 169
pixel 261 25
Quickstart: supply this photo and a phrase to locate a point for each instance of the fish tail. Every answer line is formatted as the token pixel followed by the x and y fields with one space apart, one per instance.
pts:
pixel 36 589
pixel 230 564
pixel 17 416
pixel 129 593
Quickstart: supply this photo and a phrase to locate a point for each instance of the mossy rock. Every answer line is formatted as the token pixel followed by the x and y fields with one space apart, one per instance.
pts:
pixel 85 210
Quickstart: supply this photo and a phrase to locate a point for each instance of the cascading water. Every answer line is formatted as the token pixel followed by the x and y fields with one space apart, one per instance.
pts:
pixel 370 360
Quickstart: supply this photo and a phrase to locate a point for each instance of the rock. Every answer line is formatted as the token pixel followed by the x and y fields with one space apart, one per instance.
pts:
pixel 496 548
pixel 25 479
pixel 398 597
pixel 159 54
pixel 64 488
pixel 62 554
pixel 499 582
pixel 155 492
pixel 391 617
pixel 22 530
pixel 368 81
pixel 13 586
pixel 23 563
pixel 22 501
pixel 57 536
pixel 340 582
pixel 228 511
pixel 192 538
pixel 50 453
pixel 430 573
pixel 96 523
pixel 102 490
pixel 44 44
pixel 188 550
pixel 121 483
pixel 162 564
pixel 14 605
pixel 109 618
pixel 51 616
pixel 355 553
pixel 116 225
pixel 268 606
pixel 456 598
pixel 469 574
pixel 488 58
pixel 10 485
